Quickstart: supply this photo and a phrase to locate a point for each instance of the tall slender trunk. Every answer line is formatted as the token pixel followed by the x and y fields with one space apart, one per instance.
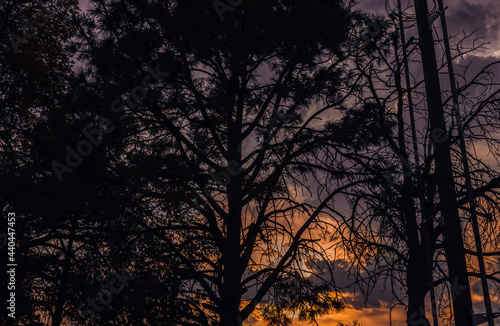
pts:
pixel 61 290
pixel 454 249
pixel 416 278
pixel 416 281
pixel 231 288
pixel 465 162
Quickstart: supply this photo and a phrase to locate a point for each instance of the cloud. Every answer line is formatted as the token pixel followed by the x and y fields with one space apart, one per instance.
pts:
pixel 381 296
pixel 479 16
pixel 470 16
pixel 373 6
pixel 462 15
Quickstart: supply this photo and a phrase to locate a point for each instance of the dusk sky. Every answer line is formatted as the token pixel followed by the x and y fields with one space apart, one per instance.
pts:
pixel 463 16
pixel 277 159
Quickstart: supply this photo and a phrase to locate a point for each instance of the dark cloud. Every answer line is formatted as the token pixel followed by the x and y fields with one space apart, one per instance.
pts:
pixel 473 15
pixel 380 295
pixel 482 16
pixel 373 6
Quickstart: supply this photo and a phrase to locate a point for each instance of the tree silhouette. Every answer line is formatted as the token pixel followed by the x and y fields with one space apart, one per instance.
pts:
pixel 387 226
pixel 229 136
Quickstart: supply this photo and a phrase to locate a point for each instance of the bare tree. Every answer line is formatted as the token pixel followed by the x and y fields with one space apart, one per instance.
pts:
pixel 386 233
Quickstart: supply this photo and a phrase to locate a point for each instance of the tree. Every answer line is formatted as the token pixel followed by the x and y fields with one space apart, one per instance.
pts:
pixel 33 67
pixel 230 132
pixel 387 228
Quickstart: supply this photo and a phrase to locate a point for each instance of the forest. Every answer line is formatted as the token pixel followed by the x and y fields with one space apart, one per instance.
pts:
pixel 248 162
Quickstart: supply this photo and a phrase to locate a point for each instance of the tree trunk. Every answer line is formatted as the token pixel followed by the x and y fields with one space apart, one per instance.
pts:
pixel 455 254
pixel 416 276
pixel 231 288
pixel 417 289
